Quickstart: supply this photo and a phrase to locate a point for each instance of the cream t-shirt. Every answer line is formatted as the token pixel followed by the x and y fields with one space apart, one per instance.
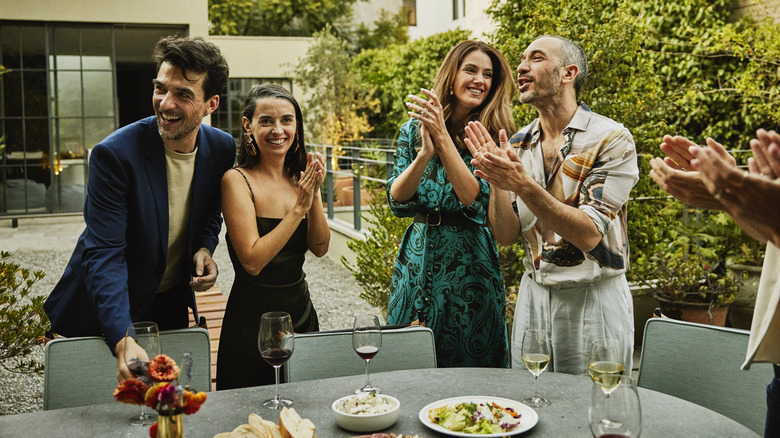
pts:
pixel 181 168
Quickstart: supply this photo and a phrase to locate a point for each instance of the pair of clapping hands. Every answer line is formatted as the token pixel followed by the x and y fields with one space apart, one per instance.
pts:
pixel 707 177
pixel 498 165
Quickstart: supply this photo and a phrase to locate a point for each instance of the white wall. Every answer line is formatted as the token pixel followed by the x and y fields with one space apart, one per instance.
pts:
pixel 193 13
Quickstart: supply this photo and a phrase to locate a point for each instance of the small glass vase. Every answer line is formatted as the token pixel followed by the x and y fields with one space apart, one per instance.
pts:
pixel 170 426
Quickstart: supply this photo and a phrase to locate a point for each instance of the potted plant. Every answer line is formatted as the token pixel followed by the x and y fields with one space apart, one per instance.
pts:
pixel 744 259
pixel 686 273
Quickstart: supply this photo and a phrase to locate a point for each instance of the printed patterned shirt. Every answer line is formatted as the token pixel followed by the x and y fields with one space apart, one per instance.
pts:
pixel 594 171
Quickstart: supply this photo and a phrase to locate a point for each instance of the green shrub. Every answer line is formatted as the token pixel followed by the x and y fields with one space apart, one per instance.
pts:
pixel 22 319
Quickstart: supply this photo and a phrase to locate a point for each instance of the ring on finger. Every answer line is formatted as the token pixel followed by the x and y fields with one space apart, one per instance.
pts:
pixel 718 194
pixel 424 112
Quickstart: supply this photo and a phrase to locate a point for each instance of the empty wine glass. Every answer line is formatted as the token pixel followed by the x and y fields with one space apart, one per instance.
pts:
pixel 276 342
pixel 536 357
pixel 366 339
pixel 616 414
pixel 141 345
pixel 605 365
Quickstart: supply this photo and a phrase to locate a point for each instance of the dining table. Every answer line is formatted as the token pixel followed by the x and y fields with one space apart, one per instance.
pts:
pixel 567 415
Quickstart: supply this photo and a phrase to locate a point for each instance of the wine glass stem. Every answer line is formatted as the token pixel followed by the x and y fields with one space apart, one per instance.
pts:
pixel 368 382
pixel 536 386
pixel 276 372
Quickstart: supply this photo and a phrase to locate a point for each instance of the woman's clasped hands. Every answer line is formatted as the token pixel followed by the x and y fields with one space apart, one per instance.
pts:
pixel 311 179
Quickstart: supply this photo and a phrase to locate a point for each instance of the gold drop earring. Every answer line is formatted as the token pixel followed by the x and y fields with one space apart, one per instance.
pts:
pixel 250 142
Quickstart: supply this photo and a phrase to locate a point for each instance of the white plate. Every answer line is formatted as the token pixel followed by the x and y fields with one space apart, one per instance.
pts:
pixel 528 416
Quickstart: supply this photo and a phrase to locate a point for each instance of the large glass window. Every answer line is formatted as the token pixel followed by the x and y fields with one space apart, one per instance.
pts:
pixel 59 88
pixel 227 117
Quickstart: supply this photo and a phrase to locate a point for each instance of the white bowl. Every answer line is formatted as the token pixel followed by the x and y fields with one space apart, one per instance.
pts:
pixel 366 422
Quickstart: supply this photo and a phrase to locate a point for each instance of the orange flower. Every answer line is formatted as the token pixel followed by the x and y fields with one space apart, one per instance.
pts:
pixel 153 430
pixel 163 368
pixel 130 391
pixel 151 394
pixel 191 401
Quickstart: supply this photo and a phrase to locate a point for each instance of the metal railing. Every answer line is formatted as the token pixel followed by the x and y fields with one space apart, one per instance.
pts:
pixel 362 161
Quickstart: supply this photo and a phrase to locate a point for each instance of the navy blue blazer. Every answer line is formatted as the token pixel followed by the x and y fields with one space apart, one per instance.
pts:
pixel 120 258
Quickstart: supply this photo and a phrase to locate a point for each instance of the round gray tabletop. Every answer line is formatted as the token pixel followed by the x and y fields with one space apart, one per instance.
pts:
pixel 567 416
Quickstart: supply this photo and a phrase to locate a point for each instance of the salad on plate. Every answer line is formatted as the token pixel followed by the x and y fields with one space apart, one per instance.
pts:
pixel 475 418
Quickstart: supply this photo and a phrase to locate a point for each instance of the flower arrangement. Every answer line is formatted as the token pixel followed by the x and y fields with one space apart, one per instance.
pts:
pixel 158 388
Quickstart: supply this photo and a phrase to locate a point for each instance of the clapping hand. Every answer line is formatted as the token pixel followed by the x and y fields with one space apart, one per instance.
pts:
pixel 675 175
pixel 431 115
pixel 739 192
pixel 498 165
pixel 310 180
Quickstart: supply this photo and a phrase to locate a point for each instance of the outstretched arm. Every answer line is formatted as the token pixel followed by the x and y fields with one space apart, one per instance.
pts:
pixel 740 192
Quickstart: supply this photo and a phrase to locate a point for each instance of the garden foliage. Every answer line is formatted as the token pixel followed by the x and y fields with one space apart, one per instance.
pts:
pixel 22 319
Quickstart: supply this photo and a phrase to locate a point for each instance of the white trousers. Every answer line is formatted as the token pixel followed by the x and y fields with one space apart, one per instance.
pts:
pixel 574 316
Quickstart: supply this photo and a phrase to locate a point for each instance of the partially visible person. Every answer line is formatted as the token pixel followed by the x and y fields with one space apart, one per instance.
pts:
pixel 565 189
pixel 152 209
pixel 709 178
pixel 273 214
pixel 447 275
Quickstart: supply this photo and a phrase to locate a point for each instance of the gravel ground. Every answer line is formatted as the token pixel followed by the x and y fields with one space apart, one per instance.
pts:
pixel 333 289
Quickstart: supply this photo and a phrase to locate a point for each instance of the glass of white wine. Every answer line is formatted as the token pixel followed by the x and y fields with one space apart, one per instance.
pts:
pixel 606 368
pixel 606 364
pixel 616 414
pixel 536 357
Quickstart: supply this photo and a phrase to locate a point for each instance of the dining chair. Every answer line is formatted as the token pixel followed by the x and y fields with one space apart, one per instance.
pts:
pixel 82 370
pixel 320 355
pixel 701 363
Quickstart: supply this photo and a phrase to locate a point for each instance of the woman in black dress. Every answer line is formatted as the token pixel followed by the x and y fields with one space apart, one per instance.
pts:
pixel 273 213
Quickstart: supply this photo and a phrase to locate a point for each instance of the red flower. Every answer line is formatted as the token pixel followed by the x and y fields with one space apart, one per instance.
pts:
pixel 130 391
pixel 153 430
pixel 162 368
pixel 191 401
pixel 151 396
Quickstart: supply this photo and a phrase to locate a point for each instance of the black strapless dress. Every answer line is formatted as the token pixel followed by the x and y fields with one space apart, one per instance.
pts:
pixel 280 286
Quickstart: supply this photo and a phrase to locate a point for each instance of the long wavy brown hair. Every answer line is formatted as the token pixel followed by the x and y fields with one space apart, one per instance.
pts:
pixel 496 111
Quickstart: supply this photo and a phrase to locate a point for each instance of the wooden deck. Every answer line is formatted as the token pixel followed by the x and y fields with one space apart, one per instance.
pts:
pixel 211 304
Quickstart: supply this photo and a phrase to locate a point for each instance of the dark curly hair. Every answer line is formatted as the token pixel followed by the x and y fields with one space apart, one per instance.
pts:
pixel 194 54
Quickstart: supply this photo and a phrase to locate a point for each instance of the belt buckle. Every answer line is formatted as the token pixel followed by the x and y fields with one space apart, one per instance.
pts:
pixel 430 223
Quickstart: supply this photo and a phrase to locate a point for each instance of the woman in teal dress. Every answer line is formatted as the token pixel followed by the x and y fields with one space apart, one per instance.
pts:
pixel 447 275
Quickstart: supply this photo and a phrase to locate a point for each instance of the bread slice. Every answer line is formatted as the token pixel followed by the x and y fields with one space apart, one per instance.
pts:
pixel 258 423
pixel 273 428
pixel 247 431
pixel 291 425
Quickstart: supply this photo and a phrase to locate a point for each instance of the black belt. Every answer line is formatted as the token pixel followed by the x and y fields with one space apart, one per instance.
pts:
pixel 453 219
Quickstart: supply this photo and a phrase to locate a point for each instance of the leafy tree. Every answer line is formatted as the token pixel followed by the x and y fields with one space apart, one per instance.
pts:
pixel 388 29
pixel 337 105
pixel 22 319
pixel 392 73
pixel 277 17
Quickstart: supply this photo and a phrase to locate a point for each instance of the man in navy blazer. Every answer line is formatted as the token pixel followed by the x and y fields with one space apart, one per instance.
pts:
pixel 152 210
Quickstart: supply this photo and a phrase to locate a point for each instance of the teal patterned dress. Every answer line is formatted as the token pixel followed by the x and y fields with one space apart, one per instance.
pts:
pixel 448 276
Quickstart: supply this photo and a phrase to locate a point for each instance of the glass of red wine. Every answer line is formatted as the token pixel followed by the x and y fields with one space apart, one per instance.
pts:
pixel 276 342
pixel 142 344
pixel 366 339
pixel 617 414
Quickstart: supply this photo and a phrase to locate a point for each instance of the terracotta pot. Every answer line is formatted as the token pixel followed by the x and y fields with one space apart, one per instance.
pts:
pixel 700 313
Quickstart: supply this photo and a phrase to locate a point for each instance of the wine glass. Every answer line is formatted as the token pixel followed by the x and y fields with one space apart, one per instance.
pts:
pixel 616 414
pixel 536 357
pixel 276 342
pixel 605 365
pixel 141 345
pixel 366 339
